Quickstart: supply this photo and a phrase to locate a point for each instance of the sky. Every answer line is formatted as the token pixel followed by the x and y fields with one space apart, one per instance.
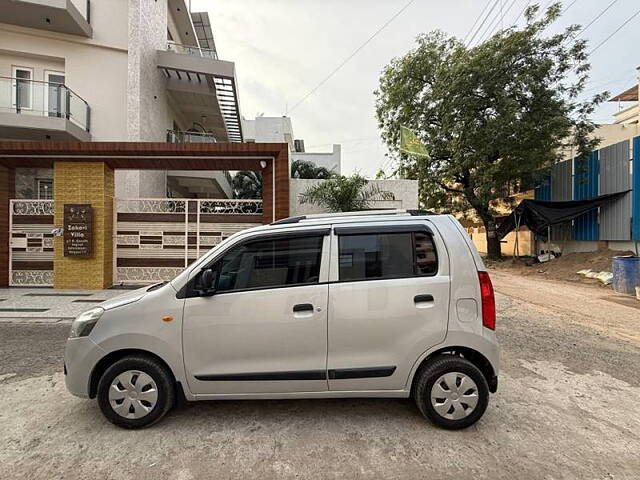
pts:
pixel 283 48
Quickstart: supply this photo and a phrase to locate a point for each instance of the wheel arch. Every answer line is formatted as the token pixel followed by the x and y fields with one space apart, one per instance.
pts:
pixel 109 359
pixel 474 356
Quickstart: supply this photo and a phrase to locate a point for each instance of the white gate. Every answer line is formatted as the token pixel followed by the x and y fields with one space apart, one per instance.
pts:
pixel 155 239
pixel 31 243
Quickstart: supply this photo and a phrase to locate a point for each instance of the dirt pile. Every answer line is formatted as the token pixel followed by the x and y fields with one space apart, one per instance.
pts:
pixel 564 267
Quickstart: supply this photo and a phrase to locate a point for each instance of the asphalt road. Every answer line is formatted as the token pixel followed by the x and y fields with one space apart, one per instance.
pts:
pixel 566 408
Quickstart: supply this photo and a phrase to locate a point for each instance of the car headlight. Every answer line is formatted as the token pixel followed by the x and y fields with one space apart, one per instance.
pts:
pixel 84 323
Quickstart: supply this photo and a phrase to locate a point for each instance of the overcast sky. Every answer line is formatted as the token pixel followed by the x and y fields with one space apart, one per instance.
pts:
pixel 283 48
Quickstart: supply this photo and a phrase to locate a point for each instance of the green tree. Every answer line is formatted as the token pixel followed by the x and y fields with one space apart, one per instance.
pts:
pixel 494 117
pixel 344 194
pixel 309 170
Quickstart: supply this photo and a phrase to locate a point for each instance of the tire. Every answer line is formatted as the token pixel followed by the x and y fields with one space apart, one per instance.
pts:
pixel 455 408
pixel 126 392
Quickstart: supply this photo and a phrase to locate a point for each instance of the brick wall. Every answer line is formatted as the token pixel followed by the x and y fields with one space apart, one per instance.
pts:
pixel 86 182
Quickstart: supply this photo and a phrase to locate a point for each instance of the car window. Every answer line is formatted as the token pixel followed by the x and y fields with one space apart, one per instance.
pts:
pixel 386 255
pixel 271 263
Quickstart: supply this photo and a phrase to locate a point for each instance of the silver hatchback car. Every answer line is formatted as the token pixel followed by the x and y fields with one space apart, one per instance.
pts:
pixel 383 304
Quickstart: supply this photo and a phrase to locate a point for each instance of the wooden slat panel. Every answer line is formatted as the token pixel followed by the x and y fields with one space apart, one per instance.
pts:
pixel 150 262
pixel 240 218
pixel 41 265
pixel 33 219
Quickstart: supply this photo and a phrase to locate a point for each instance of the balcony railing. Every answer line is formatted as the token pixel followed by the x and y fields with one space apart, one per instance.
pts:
pixel 44 99
pixel 191 50
pixel 177 136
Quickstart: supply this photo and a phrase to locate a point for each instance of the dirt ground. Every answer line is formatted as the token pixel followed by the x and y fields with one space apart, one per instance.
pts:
pixel 566 408
pixel 564 267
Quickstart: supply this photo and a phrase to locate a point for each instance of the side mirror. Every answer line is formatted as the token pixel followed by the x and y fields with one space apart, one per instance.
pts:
pixel 207 283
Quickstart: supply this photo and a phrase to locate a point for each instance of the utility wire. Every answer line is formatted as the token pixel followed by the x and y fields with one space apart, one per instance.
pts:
pixel 476 22
pixel 495 4
pixel 355 52
pixel 569 6
pixel 614 32
pixel 488 28
pixel 526 5
pixel 497 22
pixel 595 19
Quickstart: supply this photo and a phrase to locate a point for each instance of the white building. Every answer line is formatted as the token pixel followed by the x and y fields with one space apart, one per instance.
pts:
pixel 279 129
pixel 115 70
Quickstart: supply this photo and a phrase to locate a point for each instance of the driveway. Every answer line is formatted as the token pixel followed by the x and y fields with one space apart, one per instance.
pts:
pixel 567 407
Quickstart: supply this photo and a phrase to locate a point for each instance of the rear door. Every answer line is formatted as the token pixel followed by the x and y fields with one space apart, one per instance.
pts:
pixel 388 303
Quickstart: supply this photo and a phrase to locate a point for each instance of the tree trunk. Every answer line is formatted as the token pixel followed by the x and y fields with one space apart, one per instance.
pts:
pixel 493 242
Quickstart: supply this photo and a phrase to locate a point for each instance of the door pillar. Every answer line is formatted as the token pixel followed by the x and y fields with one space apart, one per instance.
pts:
pixel 85 183
pixel 7 192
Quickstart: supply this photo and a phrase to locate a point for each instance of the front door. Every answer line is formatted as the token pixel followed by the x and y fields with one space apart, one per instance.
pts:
pixel 389 303
pixel 264 329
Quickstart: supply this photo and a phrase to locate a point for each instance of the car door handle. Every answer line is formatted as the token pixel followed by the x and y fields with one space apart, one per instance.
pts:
pixel 423 298
pixel 302 307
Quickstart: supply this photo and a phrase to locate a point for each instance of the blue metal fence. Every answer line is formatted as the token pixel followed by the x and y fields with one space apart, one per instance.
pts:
pixel 585 185
pixel 635 211
pixel 542 190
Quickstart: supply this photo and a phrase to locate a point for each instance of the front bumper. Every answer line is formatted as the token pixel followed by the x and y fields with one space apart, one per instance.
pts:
pixel 493 384
pixel 80 357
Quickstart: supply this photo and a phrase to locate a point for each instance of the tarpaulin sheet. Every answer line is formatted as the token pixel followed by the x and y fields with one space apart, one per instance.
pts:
pixel 537 215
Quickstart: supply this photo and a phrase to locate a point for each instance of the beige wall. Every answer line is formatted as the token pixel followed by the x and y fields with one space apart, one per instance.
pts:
pixel 97 72
pixel 526 243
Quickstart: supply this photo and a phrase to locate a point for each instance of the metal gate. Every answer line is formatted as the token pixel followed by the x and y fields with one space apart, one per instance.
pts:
pixel 31 243
pixel 155 239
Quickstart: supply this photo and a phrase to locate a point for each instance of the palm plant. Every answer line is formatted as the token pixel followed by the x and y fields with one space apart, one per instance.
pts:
pixel 308 170
pixel 344 194
pixel 246 184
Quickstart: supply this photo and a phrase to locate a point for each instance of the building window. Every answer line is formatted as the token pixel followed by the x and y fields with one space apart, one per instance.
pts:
pixel 45 189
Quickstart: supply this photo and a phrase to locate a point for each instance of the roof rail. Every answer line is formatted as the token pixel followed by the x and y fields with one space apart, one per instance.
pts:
pixel 363 213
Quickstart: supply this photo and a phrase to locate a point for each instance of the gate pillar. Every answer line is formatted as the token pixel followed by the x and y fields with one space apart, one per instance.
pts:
pixel 7 192
pixel 85 183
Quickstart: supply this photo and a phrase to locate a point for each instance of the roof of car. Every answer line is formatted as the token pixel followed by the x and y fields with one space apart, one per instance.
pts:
pixel 346 217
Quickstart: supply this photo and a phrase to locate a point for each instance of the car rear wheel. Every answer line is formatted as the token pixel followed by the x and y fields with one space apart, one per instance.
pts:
pixel 451 392
pixel 135 392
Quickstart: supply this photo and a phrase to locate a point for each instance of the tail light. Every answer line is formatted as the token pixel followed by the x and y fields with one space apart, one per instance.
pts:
pixel 488 301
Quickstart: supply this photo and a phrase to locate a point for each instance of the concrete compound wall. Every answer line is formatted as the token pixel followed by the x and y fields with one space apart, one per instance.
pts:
pixel 330 161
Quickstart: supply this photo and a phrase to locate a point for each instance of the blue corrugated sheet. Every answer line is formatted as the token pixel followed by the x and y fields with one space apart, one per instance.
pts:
pixel 542 190
pixel 635 211
pixel 585 185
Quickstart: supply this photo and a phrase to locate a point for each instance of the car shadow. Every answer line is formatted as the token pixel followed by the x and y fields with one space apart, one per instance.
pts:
pixel 234 412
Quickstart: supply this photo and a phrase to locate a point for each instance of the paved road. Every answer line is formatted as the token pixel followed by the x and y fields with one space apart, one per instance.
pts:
pixel 566 408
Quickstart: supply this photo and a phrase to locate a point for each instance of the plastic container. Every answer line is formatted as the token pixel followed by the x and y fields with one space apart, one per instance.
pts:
pixel 626 274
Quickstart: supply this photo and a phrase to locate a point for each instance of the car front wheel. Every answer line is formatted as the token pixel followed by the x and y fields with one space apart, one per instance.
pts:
pixel 135 392
pixel 451 392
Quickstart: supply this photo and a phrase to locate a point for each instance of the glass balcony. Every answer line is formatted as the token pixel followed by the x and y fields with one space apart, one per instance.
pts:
pixel 191 50
pixel 43 99
pixel 177 136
